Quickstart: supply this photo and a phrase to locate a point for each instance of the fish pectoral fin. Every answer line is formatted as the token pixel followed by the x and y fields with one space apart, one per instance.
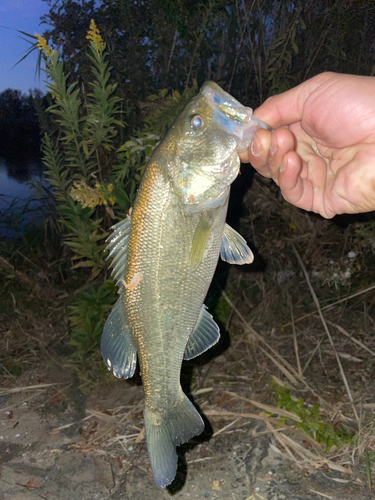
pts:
pixel 205 335
pixel 118 248
pixel 118 350
pixel 234 248
pixel 165 431
pixel 200 239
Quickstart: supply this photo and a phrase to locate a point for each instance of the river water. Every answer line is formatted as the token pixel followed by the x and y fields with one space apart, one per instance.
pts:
pixel 19 203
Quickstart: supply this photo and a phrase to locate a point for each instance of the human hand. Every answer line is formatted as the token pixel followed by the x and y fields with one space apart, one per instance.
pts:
pixel 321 151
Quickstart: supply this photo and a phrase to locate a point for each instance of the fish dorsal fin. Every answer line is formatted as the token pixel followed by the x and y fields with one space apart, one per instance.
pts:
pixel 118 248
pixel 200 239
pixel 118 350
pixel 205 334
pixel 234 248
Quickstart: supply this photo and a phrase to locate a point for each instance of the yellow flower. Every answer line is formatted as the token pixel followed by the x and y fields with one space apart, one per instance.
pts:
pixel 91 197
pixel 42 45
pixel 94 35
pixel 86 195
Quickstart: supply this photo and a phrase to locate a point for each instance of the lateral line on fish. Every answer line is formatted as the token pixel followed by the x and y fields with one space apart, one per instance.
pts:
pixel 137 278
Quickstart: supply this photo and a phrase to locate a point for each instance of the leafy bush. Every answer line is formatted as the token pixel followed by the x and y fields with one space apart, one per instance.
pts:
pixel 312 423
pixel 93 176
pixel 87 317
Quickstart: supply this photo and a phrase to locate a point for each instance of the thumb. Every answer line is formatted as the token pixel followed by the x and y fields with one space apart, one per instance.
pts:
pixel 287 108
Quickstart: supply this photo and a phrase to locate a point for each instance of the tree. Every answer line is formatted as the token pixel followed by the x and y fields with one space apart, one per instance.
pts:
pixel 252 49
pixel 19 126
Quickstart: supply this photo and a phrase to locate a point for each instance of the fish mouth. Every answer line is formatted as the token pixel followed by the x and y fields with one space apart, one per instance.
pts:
pixel 229 113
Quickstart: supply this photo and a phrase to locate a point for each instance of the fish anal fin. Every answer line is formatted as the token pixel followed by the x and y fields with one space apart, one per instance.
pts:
pixel 118 350
pixel 205 334
pixel 166 431
pixel 234 248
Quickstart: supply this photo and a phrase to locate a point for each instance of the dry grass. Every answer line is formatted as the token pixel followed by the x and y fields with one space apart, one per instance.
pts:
pixel 26 339
pixel 233 390
pixel 32 323
pixel 305 322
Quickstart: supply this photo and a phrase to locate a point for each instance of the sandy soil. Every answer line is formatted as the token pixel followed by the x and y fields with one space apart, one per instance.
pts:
pixel 58 444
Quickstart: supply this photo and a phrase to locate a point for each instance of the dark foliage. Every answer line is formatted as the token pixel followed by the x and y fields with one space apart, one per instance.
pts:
pixel 19 125
pixel 252 49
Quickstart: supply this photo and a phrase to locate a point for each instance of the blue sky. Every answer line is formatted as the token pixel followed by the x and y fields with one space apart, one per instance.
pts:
pixel 21 15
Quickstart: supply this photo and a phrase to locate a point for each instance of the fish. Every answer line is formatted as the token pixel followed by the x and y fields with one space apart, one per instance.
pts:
pixel 164 255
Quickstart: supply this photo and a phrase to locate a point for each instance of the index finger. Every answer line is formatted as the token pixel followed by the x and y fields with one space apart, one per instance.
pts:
pixel 287 108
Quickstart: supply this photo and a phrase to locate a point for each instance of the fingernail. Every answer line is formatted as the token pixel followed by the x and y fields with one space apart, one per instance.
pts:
pixel 282 166
pixel 274 146
pixel 256 147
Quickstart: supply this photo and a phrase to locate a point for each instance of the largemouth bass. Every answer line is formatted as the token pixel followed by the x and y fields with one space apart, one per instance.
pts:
pixel 164 257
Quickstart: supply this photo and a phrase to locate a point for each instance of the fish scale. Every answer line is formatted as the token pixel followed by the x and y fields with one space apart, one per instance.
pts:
pixel 164 259
pixel 176 289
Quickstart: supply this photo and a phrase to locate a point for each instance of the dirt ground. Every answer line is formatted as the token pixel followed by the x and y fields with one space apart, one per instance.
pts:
pixel 58 444
pixel 59 440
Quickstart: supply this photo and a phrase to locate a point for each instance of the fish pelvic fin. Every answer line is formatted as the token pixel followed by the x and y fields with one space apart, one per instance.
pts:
pixel 234 248
pixel 118 350
pixel 205 335
pixel 166 431
pixel 200 239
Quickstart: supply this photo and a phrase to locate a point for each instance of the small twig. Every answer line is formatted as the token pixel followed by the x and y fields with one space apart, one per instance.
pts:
pixel 268 408
pixel 276 354
pixel 329 306
pixel 28 260
pixel 200 460
pixel 295 338
pixel 23 278
pixel 204 390
pixel 13 390
pixel 224 428
pixel 365 316
pixel 7 371
pixel 317 51
pixel 55 395
pixel 337 479
pixel 109 419
pixel 312 355
pixel 321 494
pixel 308 456
pixel 172 50
pixel 76 422
pixel 350 337
pixel 316 301
pixel 288 375
pixel 20 275
pixel 23 402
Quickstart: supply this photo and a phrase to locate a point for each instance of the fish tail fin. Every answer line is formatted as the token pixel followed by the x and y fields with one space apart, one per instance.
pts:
pixel 165 432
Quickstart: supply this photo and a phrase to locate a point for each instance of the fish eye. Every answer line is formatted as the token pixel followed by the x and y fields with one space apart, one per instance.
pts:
pixel 196 122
